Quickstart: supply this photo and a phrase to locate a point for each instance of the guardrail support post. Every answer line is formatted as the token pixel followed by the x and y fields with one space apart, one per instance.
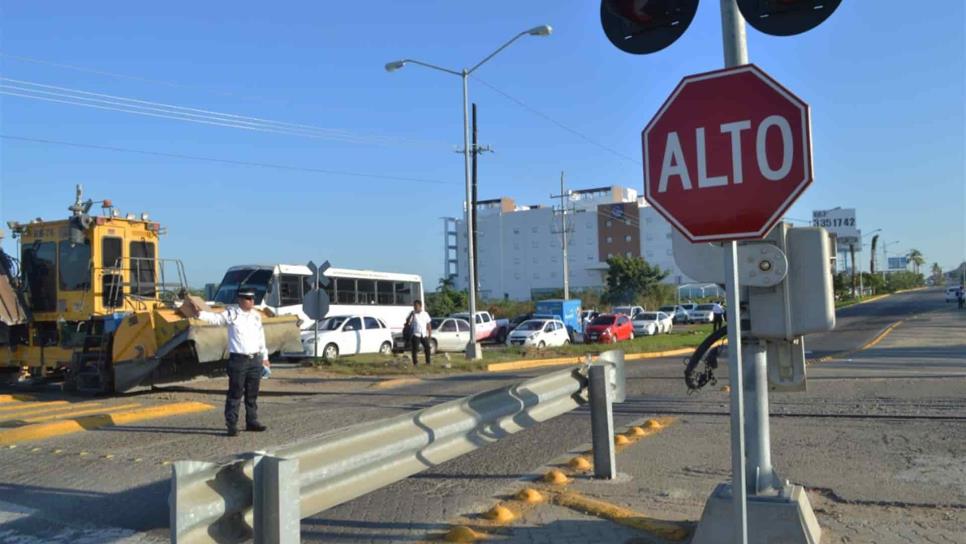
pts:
pixel 276 501
pixel 602 421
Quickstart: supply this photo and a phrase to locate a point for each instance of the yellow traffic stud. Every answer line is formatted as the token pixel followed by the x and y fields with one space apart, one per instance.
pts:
pixel 621 440
pixel 579 463
pixel 530 495
pixel 653 424
pixel 726 388
pixel 556 477
pixel 462 533
pixel 637 431
pixel 500 514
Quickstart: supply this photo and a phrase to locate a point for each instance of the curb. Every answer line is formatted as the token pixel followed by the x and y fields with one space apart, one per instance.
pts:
pixel 576 360
pixel 39 431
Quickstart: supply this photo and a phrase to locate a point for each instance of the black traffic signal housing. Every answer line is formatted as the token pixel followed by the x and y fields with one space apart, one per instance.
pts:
pixel 645 26
pixel 786 17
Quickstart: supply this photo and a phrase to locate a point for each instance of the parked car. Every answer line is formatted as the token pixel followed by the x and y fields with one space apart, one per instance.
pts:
pixel 629 311
pixel 677 312
pixel 348 335
pixel 515 321
pixel 539 333
pixel 609 328
pixel 702 313
pixel 952 293
pixel 488 328
pixel 448 334
pixel 651 323
pixel 567 311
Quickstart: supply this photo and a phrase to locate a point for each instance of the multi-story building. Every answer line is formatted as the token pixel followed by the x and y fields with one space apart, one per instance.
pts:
pixel 519 248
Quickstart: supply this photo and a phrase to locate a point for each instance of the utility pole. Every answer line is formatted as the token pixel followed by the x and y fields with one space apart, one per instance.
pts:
pixel 564 196
pixel 475 150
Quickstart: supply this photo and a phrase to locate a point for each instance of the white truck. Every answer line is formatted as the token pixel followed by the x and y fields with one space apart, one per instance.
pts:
pixel 629 311
pixel 488 328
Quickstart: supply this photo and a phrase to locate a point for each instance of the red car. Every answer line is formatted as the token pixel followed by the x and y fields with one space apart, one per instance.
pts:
pixel 609 329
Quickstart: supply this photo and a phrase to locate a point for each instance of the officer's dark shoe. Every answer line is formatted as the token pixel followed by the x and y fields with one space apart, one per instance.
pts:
pixel 232 431
pixel 256 427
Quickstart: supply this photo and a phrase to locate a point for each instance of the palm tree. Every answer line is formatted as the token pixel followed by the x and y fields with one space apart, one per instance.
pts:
pixel 937 272
pixel 916 258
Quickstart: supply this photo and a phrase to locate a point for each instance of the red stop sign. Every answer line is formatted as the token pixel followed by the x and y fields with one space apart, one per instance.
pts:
pixel 727 154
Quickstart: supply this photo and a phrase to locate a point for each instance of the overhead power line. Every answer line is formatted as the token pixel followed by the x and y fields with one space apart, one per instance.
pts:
pixel 223 161
pixel 77 97
pixel 567 128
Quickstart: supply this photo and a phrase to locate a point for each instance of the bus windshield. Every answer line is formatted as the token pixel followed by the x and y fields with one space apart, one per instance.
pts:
pixel 252 278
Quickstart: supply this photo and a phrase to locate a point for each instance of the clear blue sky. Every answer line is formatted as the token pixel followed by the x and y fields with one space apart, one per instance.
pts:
pixel 885 82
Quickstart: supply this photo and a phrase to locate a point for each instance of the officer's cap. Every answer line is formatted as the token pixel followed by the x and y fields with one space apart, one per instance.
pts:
pixel 245 293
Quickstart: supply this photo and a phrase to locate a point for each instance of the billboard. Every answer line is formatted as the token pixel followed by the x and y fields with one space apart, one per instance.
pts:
pixel 898 263
pixel 840 222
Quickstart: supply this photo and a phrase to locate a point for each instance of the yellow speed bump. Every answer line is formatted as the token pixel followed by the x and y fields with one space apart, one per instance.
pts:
pixel 555 477
pixel 395 382
pixel 579 463
pixel 40 431
pixel 529 495
pixel 621 440
pixel 500 514
pixel 462 533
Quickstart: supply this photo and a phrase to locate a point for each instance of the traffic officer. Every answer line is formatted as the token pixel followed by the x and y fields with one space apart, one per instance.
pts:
pixel 247 357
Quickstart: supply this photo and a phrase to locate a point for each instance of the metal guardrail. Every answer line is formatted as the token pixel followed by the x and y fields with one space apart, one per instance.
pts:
pixel 265 494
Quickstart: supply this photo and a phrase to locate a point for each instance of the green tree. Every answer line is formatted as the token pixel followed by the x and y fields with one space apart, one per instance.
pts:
pixel 937 274
pixel 630 279
pixel 903 280
pixel 446 300
pixel 916 258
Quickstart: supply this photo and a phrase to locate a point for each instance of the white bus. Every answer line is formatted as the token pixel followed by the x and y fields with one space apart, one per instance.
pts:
pixel 384 295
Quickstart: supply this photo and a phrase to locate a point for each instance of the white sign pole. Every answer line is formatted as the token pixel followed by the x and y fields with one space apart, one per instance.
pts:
pixel 735 54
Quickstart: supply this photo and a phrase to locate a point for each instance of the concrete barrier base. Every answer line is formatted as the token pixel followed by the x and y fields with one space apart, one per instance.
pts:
pixel 785 518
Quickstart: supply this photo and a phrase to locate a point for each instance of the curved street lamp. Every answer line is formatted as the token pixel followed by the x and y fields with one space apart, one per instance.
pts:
pixel 473 348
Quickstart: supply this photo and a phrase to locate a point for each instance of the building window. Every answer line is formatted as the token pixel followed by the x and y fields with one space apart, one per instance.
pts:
pixel 534 230
pixel 553 275
pixel 608 223
pixel 670 252
pixel 536 275
pixel 668 235
pixel 517 231
pixel 650 254
pixel 628 238
pixel 648 220
pixel 590 258
pixel 516 260
pixel 609 239
pixel 535 244
pixel 628 254
pixel 534 259
pixel 609 255
pixel 516 275
pixel 516 245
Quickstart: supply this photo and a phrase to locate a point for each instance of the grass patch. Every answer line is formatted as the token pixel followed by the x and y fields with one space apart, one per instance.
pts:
pixel 382 365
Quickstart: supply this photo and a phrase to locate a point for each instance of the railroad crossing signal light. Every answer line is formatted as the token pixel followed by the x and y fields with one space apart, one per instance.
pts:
pixel 786 17
pixel 645 26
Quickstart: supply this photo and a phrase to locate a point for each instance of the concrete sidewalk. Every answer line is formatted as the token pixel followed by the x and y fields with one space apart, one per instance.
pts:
pixel 879 442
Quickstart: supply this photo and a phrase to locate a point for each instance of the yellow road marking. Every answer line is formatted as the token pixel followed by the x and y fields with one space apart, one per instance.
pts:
pixel 39 431
pixel 576 360
pixel 28 405
pixel 33 411
pixel 618 514
pixel 395 382
pixel 15 398
pixel 870 344
pixel 87 412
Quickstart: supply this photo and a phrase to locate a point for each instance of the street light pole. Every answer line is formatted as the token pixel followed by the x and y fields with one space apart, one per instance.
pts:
pixel 473 347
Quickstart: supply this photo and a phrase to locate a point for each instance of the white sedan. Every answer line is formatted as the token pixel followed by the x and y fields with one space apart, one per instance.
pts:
pixel 348 335
pixel 539 333
pixel 651 323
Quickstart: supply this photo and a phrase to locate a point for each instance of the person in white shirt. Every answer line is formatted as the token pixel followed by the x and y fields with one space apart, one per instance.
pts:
pixel 247 355
pixel 420 330
pixel 718 312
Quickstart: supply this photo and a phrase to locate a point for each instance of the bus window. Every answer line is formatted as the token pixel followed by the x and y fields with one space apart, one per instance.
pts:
pixel 345 291
pixel 384 293
pixel 404 293
pixel 365 292
pixel 290 289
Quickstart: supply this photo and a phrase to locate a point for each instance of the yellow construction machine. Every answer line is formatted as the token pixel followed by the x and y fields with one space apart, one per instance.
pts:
pixel 91 303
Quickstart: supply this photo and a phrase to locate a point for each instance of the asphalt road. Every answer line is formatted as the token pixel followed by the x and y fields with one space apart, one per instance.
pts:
pixel 113 482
